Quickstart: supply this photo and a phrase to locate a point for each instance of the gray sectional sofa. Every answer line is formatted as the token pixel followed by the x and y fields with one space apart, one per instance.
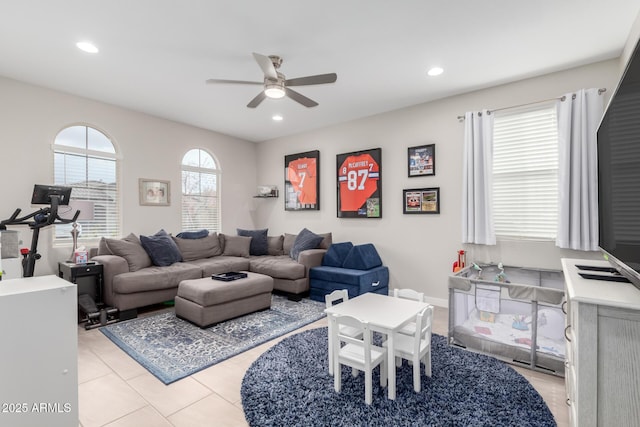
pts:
pixel 146 270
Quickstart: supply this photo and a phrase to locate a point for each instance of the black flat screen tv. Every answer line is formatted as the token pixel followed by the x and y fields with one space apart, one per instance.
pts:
pixel 42 194
pixel 619 174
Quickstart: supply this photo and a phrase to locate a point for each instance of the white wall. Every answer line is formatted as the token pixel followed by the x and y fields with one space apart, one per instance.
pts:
pixel 419 249
pixel 632 40
pixel 149 147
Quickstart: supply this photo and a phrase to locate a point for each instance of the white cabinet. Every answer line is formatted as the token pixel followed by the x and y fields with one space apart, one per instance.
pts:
pixel 38 356
pixel 602 373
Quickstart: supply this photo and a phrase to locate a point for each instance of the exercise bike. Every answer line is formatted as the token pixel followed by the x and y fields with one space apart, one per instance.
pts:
pixel 55 196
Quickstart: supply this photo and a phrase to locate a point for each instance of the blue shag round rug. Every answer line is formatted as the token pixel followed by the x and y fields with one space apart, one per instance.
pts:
pixel 289 385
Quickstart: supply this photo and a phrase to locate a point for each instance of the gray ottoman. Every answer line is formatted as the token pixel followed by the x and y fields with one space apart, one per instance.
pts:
pixel 207 301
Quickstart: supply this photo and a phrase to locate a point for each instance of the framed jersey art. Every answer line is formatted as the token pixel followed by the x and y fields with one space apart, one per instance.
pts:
pixel 301 181
pixel 360 184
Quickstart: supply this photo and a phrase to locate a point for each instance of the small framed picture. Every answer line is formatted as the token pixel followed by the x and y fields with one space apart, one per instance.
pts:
pixel 421 201
pixel 154 192
pixel 421 160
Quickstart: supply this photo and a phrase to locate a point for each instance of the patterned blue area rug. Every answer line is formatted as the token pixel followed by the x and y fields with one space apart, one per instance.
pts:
pixel 289 385
pixel 172 348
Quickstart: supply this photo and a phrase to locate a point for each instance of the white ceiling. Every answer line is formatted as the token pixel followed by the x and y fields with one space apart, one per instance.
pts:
pixel 155 55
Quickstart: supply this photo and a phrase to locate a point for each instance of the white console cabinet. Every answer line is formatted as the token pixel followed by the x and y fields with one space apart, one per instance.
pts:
pixel 602 373
pixel 39 352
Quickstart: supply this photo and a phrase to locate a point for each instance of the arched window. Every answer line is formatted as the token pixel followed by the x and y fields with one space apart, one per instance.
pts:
pixel 200 191
pixel 85 159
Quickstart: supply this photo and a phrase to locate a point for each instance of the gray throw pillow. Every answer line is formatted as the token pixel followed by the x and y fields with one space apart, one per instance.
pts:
pixel 259 243
pixel 305 240
pixel 288 241
pixel 236 245
pixel 161 248
pixel 275 245
pixel 103 249
pixel 327 240
pixel 205 247
pixel 131 250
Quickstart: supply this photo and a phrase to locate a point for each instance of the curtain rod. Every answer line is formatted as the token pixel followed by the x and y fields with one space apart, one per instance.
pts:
pixel 559 98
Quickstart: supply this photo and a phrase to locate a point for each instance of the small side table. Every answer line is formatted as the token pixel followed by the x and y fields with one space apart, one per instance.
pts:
pixel 71 272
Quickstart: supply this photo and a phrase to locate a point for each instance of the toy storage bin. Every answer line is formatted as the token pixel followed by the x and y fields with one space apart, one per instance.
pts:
pixel 519 320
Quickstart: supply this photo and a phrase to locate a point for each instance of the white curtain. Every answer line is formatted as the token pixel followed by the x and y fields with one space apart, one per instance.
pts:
pixel 477 216
pixel 579 115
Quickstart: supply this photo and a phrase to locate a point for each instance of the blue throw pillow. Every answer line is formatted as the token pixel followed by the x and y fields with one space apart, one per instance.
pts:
pixel 200 234
pixel 336 254
pixel 259 243
pixel 305 240
pixel 362 257
pixel 161 248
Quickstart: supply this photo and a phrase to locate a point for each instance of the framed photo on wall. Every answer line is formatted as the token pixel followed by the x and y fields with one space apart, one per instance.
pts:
pixel 422 160
pixel 302 181
pixel 359 182
pixel 421 201
pixel 154 192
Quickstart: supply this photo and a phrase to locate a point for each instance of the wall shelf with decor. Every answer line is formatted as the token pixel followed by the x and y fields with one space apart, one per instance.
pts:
pixel 267 192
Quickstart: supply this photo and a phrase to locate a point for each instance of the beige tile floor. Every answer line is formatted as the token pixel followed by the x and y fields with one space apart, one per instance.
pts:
pixel 115 391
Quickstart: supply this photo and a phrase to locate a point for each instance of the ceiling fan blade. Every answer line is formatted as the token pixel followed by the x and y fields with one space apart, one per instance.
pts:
pixel 242 82
pixel 257 100
pixel 312 80
pixel 300 98
pixel 267 66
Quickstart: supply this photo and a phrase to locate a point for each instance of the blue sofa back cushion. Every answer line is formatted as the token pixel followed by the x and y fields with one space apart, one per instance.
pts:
pixel 362 257
pixel 306 239
pixel 200 234
pixel 259 242
pixel 336 254
pixel 161 248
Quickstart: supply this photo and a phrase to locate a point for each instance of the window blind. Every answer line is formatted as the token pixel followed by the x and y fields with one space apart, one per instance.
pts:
pixel 200 192
pixel 525 172
pixel 85 160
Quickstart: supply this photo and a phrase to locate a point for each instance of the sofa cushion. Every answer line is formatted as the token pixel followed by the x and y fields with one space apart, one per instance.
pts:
pixel 259 243
pixel 161 248
pixel 324 280
pixel 236 245
pixel 155 278
pixel 205 247
pixel 221 264
pixel 362 257
pixel 305 240
pixel 275 245
pixel 336 254
pixel 278 267
pixel 200 234
pixel 131 250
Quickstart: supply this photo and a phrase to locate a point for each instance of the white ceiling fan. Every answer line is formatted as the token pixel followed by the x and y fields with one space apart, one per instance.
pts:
pixel 276 85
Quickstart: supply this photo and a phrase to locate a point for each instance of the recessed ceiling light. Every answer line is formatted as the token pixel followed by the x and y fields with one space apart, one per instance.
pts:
pixel 277 118
pixel 87 47
pixel 435 71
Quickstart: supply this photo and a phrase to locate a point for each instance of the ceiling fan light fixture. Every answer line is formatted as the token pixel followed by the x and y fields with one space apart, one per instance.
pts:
pixel 274 91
